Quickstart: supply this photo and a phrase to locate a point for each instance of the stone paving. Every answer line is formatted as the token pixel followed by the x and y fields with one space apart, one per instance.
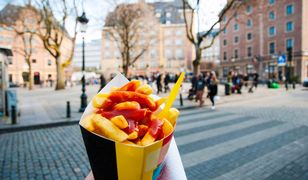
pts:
pixel 256 138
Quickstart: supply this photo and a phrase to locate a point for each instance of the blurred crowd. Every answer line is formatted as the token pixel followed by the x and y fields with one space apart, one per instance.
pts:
pixel 206 82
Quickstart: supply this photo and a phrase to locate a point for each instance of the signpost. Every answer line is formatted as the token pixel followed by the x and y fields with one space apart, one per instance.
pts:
pixel 281 60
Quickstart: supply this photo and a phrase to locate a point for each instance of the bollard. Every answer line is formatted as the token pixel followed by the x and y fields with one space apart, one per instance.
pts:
pixel 68 109
pixel 181 100
pixel 13 114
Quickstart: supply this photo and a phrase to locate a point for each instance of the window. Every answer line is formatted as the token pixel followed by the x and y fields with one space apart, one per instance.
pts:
pixel 271 1
pixel 168 32
pixel 249 9
pixel 49 62
pixel 178 42
pixel 225 19
pixel 236 27
pixel 235 53
pixel 153 53
pixel 168 53
pixel 249 52
pixel 225 42
pixel 236 39
pixel 289 26
pixel 289 43
pixel 249 23
pixel 179 32
pixel 225 56
pixel 33 60
pixel 289 9
pixel 168 14
pixel 107 54
pixel 272 48
pixel 235 15
pixel 157 15
pixel 168 22
pixel 179 54
pixel 249 36
pixel 225 31
pixel 180 11
pixel 168 42
pixel 271 15
pixel 272 31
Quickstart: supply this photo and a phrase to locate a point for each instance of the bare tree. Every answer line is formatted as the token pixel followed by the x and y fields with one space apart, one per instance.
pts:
pixel 26 50
pixel 52 32
pixel 129 25
pixel 24 28
pixel 196 38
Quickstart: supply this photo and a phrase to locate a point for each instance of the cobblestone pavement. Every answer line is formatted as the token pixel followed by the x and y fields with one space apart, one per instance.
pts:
pixel 258 139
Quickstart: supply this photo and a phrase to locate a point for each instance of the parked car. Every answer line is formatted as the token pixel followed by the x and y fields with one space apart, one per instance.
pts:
pixel 305 83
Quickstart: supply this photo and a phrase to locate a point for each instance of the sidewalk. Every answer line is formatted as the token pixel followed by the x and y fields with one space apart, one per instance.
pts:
pixel 46 107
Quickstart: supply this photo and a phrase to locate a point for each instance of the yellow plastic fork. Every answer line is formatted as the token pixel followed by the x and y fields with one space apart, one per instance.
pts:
pixel 172 96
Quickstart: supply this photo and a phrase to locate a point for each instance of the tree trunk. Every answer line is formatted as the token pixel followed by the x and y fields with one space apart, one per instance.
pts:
pixel 196 62
pixel 125 70
pixel 30 76
pixel 196 67
pixel 60 75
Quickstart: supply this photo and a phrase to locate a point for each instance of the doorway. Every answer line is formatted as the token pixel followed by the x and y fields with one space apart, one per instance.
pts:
pixel 36 77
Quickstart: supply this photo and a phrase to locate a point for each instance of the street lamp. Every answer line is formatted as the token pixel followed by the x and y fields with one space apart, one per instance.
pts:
pixel 83 20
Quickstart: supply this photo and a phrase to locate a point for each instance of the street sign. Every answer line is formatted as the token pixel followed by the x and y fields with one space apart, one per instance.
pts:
pixel 281 60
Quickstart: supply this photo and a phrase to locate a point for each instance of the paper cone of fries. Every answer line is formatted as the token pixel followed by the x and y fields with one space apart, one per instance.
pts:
pixel 116 153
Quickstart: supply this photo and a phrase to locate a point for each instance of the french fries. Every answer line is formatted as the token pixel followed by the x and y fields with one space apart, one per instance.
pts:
pixel 119 121
pixel 128 114
pixel 106 128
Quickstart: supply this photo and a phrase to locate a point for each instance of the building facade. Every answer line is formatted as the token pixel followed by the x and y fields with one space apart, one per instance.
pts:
pixel 42 63
pixel 169 50
pixel 92 55
pixel 210 59
pixel 263 31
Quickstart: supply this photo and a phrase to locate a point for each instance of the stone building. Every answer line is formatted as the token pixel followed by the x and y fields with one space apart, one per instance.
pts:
pixel 260 33
pixel 42 63
pixel 169 50
pixel 92 55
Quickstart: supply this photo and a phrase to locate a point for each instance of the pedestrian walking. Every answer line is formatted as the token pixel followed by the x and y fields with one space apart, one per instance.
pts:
pixel 213 89
pixel 166 82
pixel 158 83
pixel 192 90
pixel 102 82
pixel 251 83
pixel 256 80
pixel 199 86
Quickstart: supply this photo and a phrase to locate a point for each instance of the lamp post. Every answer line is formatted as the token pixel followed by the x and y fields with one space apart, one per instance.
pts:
pixel 83 20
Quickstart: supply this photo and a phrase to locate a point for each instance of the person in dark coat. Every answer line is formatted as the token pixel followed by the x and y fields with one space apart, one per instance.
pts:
pixel 158 83
pixel 213 89
pixel 102 81
pixel 256 80
pixel 166 82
